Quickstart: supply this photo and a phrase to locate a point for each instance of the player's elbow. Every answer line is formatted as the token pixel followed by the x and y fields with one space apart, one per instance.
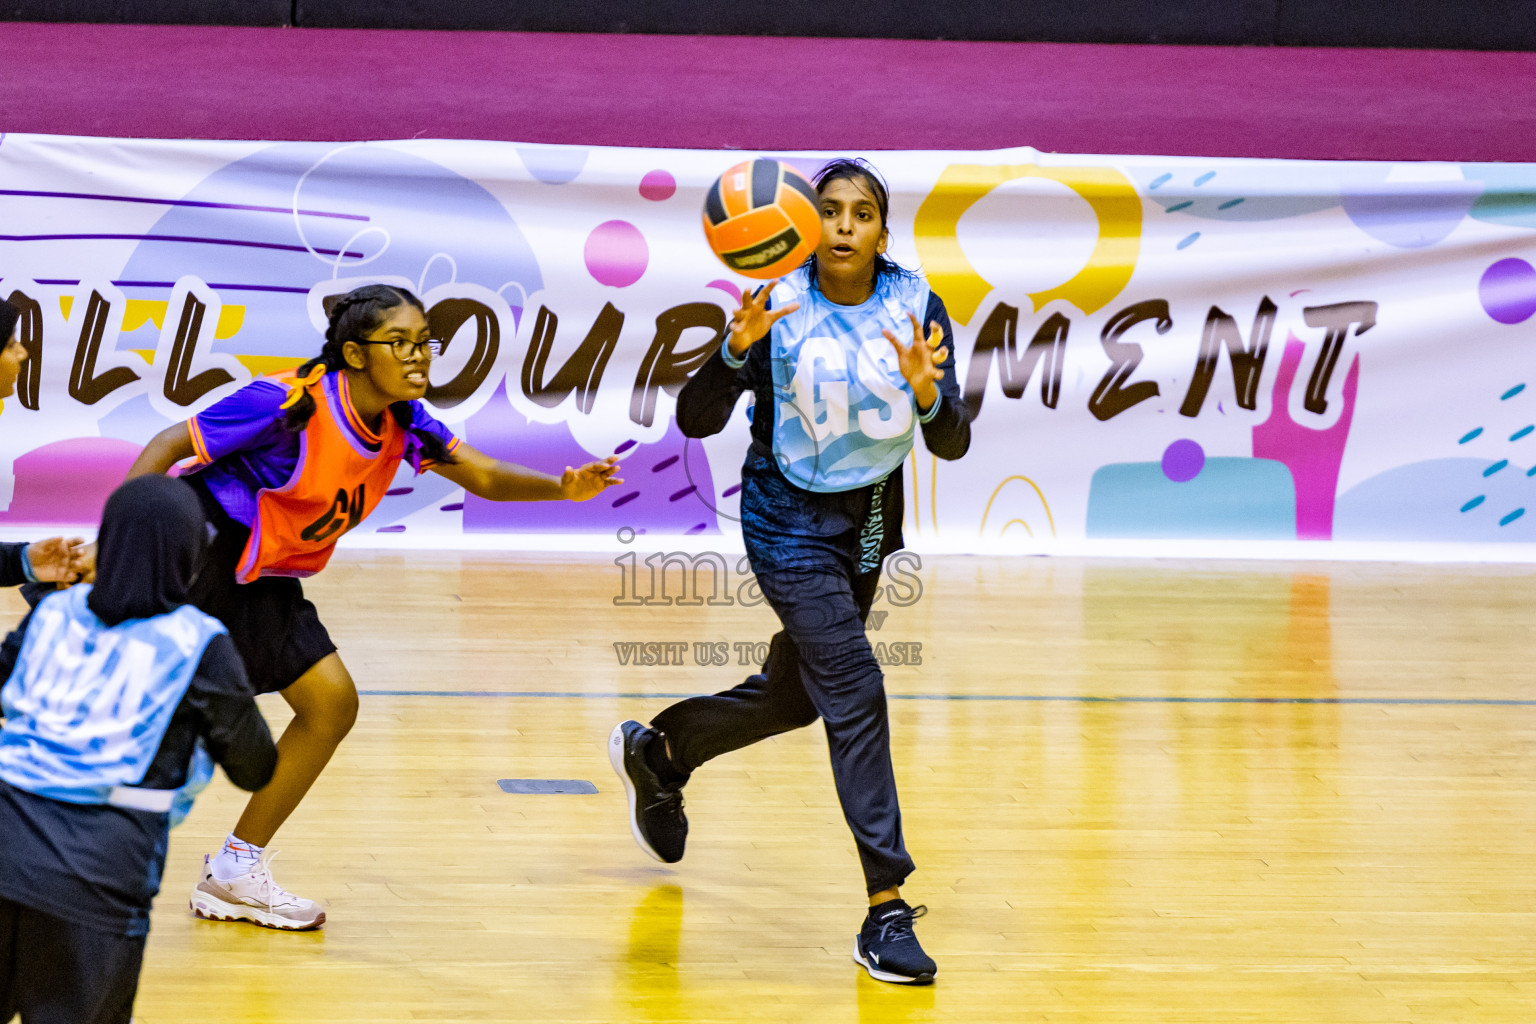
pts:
pixel 696 422
pixel 952 445
pixel 164 450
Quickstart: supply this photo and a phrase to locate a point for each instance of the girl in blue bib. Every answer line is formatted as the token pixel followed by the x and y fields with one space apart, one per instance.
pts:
pixel 847 358
pixel 119 697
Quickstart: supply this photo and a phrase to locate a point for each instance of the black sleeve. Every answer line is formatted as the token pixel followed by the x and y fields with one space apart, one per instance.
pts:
pixel 10 650
pixel 705 403
pixel 11 572
pixel 35 592
pixel 229 721
pixel 948 434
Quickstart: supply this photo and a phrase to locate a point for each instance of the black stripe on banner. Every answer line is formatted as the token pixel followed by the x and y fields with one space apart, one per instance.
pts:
pixel 765 182
pixel 714 206
pixel 802 186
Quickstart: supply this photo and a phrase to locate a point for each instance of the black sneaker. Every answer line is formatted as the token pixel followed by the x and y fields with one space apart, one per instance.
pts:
pixel 887 946
pixel 655 810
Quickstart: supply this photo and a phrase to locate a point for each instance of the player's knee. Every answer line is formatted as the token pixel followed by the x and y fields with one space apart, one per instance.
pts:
pixel 783 717
pixel 851 665
pixel 341 713
pixel 856 700
pixel 331 712
pixel 800 716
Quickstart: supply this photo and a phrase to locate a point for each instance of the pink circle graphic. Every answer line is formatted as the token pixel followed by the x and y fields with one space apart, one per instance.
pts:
pixel 658 185
pixel 616 253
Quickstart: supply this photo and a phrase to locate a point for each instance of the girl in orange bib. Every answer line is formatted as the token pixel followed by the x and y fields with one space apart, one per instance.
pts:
pixel 284 470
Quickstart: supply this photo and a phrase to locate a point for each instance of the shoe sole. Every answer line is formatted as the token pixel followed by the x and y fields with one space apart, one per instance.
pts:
pixel 879 975
pixel 211 908
pixel 616 759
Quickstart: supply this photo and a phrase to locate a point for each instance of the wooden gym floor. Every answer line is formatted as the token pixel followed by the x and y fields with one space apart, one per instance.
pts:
pixel 1136 792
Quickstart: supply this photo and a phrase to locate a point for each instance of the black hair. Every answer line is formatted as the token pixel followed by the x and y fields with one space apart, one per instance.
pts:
pixel 863 175
pixel 153 539
pixel 9 315
pixel 352 318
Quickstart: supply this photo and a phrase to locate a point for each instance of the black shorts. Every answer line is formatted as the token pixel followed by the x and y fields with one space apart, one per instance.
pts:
pixel 275 628
pixel 54 971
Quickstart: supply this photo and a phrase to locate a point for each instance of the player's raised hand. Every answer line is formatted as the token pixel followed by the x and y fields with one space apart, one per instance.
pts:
pixel 57 560
pixel 920 360
pixel 590 480
pixel 753 320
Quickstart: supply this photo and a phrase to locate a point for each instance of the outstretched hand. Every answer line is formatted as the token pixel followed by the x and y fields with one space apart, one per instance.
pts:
pixel 57 560
pixel 590 480
pixel 920 360
pixel 754 319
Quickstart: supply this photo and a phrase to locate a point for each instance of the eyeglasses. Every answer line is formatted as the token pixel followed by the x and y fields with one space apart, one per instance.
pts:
pixel 406 350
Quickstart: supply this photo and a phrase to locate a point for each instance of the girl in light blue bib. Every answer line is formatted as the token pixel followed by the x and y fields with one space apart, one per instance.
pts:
pixel 847 358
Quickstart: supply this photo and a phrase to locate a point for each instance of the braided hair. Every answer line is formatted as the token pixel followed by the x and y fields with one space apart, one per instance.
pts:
pixel 352 318
pixel 863 175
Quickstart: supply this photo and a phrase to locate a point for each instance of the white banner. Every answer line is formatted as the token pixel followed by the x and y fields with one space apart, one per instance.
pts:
pixel 1160 353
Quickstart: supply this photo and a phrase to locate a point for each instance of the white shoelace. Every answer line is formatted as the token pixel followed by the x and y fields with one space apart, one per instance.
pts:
pixel 270 888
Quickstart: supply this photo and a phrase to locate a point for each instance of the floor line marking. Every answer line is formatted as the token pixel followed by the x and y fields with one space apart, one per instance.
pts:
pixel 985 698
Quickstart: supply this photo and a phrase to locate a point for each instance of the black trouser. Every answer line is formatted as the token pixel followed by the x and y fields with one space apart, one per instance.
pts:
pixel 805 551
pixel 54 971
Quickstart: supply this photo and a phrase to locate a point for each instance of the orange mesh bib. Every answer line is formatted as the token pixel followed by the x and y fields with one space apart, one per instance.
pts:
pixel 335 484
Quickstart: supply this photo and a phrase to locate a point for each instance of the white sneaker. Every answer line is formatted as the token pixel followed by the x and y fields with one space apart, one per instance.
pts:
pixel 253 897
